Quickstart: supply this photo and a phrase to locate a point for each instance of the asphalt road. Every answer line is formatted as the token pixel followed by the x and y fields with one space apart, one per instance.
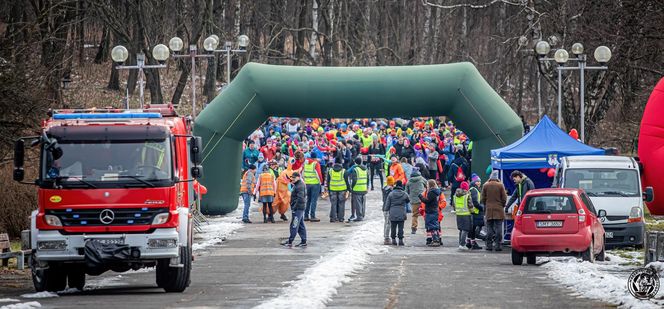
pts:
pixel 251 269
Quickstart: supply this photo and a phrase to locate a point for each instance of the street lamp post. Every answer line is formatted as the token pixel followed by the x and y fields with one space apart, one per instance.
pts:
pixel 602 55
pixel 176 45
pixel 209 45
pixel 119 54
pixel 242 43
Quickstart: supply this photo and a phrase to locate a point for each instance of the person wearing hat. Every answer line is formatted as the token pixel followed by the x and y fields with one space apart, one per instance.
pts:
pixel 494 198
pixel 247 186
pixel 282 196
pixel 386 212
pixel 396 203
pixel 478 211
pixel 415 186
pixel 463 208
pixel 358 180
pixel 260 162
pixel 431 210
pixel 297 205
pixel 265 190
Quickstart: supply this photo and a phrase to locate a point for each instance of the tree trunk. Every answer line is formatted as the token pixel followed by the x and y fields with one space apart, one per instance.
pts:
pixel 197 27
pixel 314 34
pixel 81 30
pixel 103 49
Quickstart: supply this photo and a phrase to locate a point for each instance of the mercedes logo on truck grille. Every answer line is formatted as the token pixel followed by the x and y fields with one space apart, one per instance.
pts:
pixel 106 216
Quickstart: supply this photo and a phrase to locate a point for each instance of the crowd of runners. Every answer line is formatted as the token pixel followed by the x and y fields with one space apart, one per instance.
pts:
pixel 291 163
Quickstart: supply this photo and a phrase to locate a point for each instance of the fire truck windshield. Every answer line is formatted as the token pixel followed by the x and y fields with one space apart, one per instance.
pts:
pixel 110 163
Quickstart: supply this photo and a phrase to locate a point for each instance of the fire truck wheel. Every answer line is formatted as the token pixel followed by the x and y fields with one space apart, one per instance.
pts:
pixel 52 279
pixel 175 279
pixel 76 277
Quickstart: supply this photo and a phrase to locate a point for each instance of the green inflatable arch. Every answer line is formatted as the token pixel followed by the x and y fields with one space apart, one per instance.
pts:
pixel 456 90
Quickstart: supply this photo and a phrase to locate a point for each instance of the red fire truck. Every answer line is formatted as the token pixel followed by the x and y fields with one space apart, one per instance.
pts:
pixel 115 192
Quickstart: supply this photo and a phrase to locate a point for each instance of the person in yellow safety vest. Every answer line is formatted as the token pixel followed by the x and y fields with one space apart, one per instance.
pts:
pixel 463 209
pixel 477 212
pixel 247 187
pixel 152 155
pixel 312 179
pixel 265 189
pixel 366 139
pixel 358 180
pixel 337 186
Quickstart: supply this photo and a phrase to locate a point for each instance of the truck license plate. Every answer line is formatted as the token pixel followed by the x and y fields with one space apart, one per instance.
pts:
pixel 549 223
pixel 609 234
pixel 110 241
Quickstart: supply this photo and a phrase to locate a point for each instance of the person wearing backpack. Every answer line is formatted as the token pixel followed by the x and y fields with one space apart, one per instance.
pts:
pixel 415 186
pixel 458 172
pixel 431 201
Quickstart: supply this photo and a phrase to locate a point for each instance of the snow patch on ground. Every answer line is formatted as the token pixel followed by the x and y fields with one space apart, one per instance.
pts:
pixel 27 305
pixel 605 281
pixel 104 282
pixel 141 270
pixel 8 300
pixel 40 295
pixel 218 229
pixel 316 286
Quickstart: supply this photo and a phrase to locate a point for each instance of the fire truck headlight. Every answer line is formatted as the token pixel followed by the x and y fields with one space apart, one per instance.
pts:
pixel 52 220
pixel 160 218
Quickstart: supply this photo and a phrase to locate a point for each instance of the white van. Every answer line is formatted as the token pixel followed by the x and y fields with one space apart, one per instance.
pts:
pixel 613 184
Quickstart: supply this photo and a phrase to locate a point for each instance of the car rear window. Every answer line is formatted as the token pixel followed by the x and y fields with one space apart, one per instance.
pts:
pixel 550 204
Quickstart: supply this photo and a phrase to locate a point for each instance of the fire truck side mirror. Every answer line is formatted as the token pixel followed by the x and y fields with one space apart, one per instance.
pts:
pixel 19 158
pixel 197 171
pixel 196 148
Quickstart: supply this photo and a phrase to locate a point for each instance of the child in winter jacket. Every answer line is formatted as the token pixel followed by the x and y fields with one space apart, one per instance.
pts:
pixel 463 208
pixel 432 213
pixel 396 203
pixel 386 211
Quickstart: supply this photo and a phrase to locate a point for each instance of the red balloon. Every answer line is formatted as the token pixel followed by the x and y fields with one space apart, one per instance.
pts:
pixel 574 134
pixel 651 148
pixel 551 173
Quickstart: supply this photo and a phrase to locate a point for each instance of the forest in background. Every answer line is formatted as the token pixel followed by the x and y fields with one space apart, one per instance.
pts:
pixel 43 42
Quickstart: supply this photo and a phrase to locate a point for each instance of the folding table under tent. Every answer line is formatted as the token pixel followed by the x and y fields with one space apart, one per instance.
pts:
pixel 542 147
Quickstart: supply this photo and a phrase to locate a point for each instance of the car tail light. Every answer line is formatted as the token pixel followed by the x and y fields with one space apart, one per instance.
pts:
pixel 635 214
pixel 582 215
pixel 519 217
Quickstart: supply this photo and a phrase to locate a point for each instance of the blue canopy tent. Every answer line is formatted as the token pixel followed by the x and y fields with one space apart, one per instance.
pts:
pixel 541 148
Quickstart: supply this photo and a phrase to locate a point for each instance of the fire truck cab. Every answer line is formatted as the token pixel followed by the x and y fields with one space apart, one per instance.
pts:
pixel 115 192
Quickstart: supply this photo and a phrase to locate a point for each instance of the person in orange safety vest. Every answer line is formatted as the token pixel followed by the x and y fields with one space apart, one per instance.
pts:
pixel 266 190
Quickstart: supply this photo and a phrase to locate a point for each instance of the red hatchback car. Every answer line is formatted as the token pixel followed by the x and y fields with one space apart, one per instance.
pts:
pixel 557 222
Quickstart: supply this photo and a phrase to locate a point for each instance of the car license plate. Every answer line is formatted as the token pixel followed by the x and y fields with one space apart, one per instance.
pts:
pixel 110 241
pixel 609 234
pixel 549 223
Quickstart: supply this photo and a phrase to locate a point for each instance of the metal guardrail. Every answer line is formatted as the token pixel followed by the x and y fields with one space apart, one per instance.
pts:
pixel 654 247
